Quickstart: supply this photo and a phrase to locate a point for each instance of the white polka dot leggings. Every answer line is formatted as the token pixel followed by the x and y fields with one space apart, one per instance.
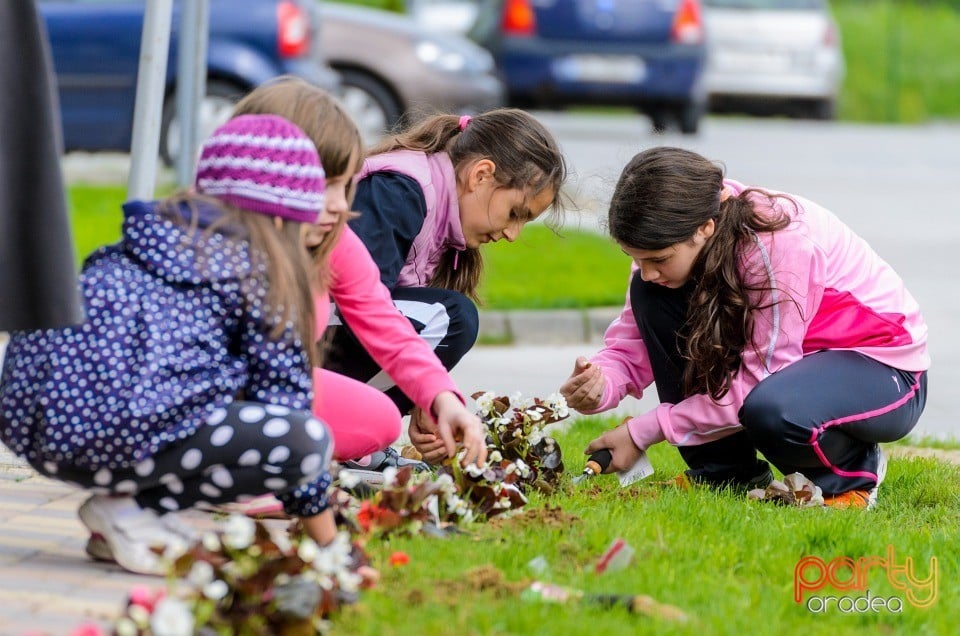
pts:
pixel 245 449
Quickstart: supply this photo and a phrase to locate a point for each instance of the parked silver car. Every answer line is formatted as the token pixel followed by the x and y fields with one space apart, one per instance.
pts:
pixel 772 57
pixel 393 69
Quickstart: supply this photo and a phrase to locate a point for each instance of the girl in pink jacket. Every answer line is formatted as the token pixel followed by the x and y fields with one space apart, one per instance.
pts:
pixel 767 324
pixel 362 419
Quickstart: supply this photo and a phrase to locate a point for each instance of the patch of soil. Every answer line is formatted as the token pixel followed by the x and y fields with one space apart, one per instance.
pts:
pixel 539 517
pixel 484 578
pixel 416 597
pixel 638 491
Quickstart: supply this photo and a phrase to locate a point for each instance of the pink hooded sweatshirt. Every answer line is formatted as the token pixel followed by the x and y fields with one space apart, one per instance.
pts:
pixel 833 292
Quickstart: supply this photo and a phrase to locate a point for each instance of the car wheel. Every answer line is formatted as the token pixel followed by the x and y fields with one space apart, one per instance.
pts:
pixel 215 109
pixel 688 116
pixel 371 104
pixel 684 117
pixel 660 119
pixel 824 109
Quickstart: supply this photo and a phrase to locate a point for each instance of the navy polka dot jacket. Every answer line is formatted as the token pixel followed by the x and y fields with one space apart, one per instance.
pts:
pixel 168 339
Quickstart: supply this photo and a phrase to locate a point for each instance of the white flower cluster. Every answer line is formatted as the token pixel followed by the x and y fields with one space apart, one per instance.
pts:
pixel 452 500
pixel 518 466
pixel 534 417
pixel 558 404
pixel 485 403
pixel 331 563
pixel 502 497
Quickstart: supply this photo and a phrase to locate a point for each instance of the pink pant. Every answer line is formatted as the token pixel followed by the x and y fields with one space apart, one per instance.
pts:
pixel 361 418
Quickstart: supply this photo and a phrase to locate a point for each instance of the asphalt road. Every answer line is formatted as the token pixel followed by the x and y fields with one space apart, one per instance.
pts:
pixel 897 186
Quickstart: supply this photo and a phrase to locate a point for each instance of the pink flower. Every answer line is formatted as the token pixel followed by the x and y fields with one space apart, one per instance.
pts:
pixel 87 629
pixel 145 596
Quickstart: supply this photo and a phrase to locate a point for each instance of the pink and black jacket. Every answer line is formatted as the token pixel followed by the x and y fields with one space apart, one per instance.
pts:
pixel 832 292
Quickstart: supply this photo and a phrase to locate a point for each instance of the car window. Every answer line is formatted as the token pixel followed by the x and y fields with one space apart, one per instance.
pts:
pixel 765 4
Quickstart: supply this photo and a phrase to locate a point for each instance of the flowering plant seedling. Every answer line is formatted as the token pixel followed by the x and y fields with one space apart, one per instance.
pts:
pixel 247 580
pixel 520 456
pixel 407 502
pixel 515 435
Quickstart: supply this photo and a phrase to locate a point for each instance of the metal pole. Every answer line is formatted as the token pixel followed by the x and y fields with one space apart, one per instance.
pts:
pixel 191 83
pixel 893 61
pixel 151 76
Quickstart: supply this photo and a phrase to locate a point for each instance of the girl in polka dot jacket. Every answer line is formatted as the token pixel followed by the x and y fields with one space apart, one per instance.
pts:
pixel 189 382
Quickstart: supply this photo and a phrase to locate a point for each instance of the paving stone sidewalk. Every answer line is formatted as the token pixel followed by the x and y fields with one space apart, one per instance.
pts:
pixel 48 584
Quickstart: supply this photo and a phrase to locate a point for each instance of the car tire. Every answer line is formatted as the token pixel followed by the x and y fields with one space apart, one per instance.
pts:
pixel 688 117
pixel 215 109
pixel 370 102
pixel 684 117
pixel 823 109
pixel 660 119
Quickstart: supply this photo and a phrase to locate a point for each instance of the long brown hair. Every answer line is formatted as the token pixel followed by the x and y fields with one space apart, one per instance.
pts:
pixel 526 155
pixel 326 122
pixel 280 266
pixel 663 195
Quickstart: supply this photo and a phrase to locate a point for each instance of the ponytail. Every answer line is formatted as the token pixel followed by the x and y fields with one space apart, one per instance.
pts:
pixel 460 271
pixel 720 316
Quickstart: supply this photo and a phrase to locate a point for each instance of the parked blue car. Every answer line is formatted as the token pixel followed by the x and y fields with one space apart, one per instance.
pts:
pixel 644 53
pixel 96 52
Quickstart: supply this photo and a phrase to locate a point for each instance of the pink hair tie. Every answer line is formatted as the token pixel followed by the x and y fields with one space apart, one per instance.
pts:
pixel 464 120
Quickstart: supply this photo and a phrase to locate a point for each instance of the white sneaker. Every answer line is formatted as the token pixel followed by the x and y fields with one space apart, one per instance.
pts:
pixel 881 473
pixel 123 531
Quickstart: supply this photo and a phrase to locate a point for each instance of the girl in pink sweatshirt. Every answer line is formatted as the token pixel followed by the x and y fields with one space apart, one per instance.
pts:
pixel 361 418
pixel 767 324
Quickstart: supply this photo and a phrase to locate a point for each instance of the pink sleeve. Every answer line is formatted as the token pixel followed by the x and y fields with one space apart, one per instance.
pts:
pixel 778 332
pixel 384 332
pixel 623 359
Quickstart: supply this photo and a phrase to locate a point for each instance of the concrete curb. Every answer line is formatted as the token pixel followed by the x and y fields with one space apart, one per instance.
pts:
pixel 546 327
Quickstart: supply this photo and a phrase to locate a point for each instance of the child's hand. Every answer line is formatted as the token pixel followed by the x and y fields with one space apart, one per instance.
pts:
pixel 456 423
pixel 583 390
pixel 618 441
pixel 425 437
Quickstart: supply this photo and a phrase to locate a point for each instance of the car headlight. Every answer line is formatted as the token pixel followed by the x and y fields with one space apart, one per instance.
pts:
pixel 447 57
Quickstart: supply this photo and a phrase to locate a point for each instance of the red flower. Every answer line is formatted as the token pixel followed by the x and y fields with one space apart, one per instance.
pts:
pixel 399 558
pixel 367 515
pixel 372 517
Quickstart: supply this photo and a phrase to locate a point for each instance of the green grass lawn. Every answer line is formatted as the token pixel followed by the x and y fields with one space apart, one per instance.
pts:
pixel 726 562
pixel 540 271
pixel 95 216
pixel 902 64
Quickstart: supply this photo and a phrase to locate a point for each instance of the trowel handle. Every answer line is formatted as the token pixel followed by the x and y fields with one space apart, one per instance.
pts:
pixel 599 460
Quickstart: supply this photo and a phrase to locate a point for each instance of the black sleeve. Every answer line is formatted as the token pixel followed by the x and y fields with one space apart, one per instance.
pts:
pixel 392 210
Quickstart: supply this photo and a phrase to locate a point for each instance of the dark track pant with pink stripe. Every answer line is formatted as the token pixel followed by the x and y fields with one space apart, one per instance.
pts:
pixel 822 416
